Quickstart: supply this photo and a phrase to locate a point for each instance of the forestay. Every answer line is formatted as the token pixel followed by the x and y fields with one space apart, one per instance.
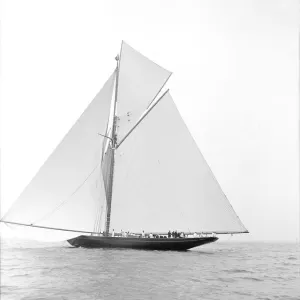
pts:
pixel 68 191
pixel 162 182
pixel 140 80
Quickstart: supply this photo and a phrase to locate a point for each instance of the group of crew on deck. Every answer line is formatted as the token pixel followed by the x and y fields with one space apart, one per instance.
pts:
pixel 173 234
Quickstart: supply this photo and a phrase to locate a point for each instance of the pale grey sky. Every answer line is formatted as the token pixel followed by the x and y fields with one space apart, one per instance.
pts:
pixel 235 82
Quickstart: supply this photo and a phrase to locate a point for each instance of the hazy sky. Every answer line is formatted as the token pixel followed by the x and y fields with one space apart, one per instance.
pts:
pixel 235 82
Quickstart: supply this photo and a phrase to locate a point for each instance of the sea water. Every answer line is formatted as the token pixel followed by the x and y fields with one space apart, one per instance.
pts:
pixel 221 270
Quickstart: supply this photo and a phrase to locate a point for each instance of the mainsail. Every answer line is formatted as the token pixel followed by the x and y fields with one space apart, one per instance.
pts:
pixel 68 191
pixel 162 181
pixel 128 163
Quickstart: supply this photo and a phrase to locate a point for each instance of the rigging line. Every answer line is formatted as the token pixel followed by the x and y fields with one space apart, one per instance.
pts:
pixel 93 232
pixel 97 221
pixel 82 231
pixel 46 227
pixel 61 141
pixel 64 201
pixel 96 227
pixel 100 219
pixel 105 142
pixel 96 217
pixel 105 136
pixel 99 215
pixel 106 165
pixel 142 118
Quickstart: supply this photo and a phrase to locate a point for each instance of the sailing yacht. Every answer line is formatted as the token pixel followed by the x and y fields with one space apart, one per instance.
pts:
pixel 130 163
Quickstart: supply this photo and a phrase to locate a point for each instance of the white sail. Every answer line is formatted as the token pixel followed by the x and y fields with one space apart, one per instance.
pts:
pixel 68 190
pixel 162 181
pixel 83 211
pixel 140 80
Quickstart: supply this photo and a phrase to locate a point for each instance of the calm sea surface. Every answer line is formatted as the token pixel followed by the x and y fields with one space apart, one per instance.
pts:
pixel 221 270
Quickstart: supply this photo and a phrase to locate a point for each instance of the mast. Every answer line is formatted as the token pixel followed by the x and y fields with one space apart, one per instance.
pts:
pixel 111 149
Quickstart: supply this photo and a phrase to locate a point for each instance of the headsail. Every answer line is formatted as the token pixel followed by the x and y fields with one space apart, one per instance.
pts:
pixel 68 191
pixel 140 80
pixel 162 181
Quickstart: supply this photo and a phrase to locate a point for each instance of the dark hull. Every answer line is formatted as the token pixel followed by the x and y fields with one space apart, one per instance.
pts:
pixel 176 244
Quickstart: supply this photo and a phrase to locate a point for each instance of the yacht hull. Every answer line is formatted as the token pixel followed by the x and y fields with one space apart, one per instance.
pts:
pixel 176 244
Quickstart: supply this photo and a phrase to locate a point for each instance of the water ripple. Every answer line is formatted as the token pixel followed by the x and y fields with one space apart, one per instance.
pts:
pixel 215 271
